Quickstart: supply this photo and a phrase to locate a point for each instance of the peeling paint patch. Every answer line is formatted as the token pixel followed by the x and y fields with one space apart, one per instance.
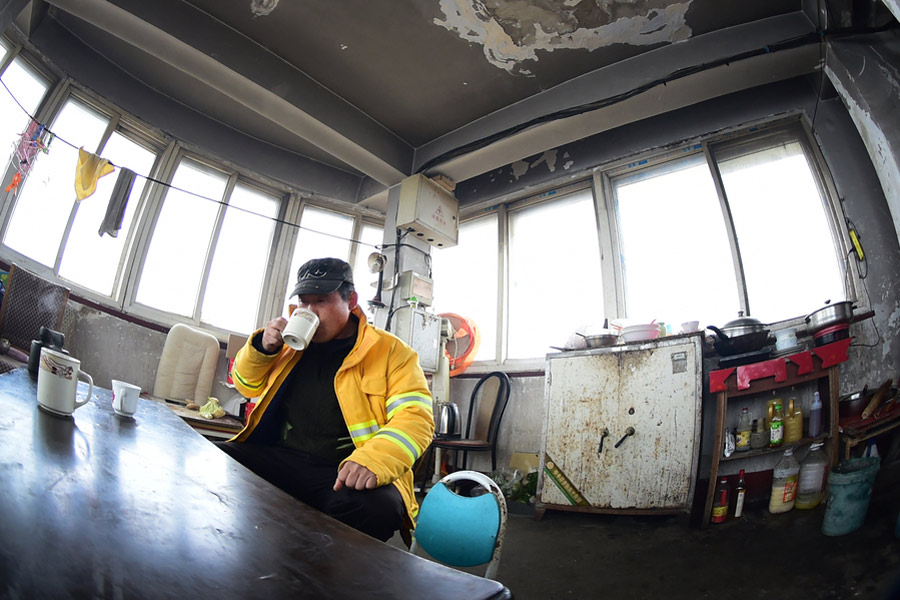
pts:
pixel 512 31
pixel 261 8
pixel 519 168
pixel 892 322
pixel 548 157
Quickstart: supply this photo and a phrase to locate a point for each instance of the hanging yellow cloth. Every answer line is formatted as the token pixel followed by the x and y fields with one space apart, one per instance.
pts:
pixel 90 168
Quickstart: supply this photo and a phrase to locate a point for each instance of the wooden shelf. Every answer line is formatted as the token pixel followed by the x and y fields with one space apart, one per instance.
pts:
pixel 819 365
pixel 764 451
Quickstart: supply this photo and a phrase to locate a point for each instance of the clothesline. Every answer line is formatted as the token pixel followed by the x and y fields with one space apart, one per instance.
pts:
pixel 45 129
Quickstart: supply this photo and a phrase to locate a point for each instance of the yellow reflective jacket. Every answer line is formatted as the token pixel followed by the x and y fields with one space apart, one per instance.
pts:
pixel 383 396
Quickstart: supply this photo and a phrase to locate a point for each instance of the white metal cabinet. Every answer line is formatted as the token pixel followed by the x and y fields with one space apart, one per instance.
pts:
pixel 654 388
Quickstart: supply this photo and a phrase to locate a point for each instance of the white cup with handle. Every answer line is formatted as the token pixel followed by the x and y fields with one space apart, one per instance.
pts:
pixel 125 397
pixel 300 328
pixel 57 384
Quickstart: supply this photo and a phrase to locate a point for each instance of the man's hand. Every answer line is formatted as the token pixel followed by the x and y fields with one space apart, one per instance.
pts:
pixel 356 477
pixel 271 337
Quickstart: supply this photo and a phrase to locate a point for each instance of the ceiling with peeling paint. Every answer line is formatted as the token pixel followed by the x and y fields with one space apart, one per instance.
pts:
pixel 385 88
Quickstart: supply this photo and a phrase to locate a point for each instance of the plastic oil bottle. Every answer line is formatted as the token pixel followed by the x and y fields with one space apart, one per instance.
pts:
pixel 793 422
pixel 784 483
pixel 811 481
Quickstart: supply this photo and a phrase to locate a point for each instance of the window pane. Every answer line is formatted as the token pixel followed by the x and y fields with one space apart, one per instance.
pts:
pixel 42 210
pixel 28 88
pixel 790 261
pixel 364 280
pixel 314 241
pixel 676 259
pixel 242 253
pixel 466 280
pixel 89 259
pixel 170 279
pixel 554 260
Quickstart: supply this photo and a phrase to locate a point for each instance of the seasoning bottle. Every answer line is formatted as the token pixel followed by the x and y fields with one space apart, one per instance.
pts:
pixel 739 492
pixel 760 436
pixel 720 504
pixel 815 416
pixel 744 428
pixel 776 427
pixel 784 483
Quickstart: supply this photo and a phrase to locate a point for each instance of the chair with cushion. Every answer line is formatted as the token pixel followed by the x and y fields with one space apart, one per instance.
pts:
pixel 486 406
pixel 29 303
pixel 463 529
pixel 187 367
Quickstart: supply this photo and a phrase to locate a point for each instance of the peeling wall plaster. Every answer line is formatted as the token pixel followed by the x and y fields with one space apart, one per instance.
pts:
pixel 512 31
pixel 261 8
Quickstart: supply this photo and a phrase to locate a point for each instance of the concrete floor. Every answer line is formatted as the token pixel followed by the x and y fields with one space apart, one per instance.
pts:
pixel 572 555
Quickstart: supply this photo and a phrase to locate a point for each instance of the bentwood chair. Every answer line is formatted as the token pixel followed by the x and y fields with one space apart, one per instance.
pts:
pixel 29 303
pixel 462 528
pixel 187 366
pixel 486 407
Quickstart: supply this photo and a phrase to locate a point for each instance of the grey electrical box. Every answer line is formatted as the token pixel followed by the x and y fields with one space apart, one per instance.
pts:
pixel 422 331
pixel 411 284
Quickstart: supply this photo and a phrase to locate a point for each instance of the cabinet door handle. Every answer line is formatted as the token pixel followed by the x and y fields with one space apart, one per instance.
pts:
pixel 628 432
pixel 603 434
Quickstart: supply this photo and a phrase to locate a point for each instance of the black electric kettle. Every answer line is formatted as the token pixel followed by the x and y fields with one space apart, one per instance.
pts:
pixel 48 339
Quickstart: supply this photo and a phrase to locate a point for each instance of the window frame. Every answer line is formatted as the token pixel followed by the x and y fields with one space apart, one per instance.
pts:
pixel 149 219
pixel 599 177
pixel 169 152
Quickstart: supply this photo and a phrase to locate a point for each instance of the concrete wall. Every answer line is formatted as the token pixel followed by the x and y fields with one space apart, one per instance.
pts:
pixel 875 353
pixel 112 348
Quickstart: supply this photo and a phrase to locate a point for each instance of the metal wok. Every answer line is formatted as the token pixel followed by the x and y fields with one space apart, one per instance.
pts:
pixel 739 344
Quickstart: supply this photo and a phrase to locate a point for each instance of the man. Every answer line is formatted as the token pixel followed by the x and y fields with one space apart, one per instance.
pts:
pixel 340 424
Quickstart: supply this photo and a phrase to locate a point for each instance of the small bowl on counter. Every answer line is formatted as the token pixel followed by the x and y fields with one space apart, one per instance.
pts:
pixel 640 333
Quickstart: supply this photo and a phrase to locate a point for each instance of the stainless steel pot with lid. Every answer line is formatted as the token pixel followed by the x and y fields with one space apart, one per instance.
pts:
pixel 742 326
pixel 831 314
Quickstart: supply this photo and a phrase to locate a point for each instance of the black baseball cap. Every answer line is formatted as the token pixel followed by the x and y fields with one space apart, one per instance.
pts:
pixel 322 276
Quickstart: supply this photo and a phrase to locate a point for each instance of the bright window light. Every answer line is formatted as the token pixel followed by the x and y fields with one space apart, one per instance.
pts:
pixel 28 88
pixel 324 234
pixel 363 279
pixel 239 263
pixel 466 280
pixel 676 259
pixel 89 259
pixel 554 261
pixel 176 257
pixel 790 261
pixel 43 208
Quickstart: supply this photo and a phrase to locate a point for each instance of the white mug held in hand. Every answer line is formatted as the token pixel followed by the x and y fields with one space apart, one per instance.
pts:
pixel 57 383
pixel 125 397
pixel 300 328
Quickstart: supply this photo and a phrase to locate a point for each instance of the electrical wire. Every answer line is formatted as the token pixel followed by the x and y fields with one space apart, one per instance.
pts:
pixel 795 42
pixel 185 191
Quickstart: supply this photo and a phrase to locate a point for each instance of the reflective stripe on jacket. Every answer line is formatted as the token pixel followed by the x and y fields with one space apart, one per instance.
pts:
pixel 383 396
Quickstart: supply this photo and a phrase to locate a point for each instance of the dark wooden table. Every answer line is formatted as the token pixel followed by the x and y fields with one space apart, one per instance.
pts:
pixel 100 506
